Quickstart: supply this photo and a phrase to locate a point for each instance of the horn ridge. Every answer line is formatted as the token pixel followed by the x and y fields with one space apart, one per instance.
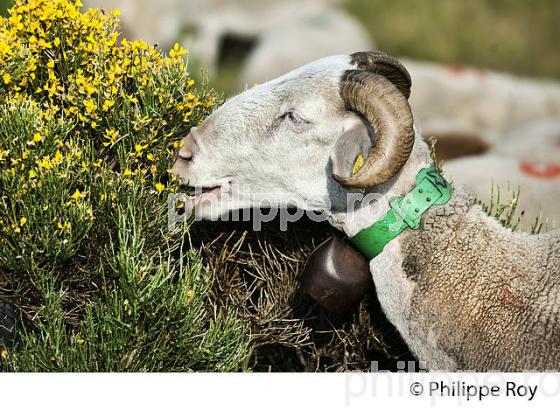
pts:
pixel 386 108
pixel 386 65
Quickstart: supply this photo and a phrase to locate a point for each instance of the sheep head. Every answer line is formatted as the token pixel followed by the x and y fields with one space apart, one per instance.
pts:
pixel 295 140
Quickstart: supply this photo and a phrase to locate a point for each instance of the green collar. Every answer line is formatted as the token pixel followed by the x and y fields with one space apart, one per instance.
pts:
pixel 431 189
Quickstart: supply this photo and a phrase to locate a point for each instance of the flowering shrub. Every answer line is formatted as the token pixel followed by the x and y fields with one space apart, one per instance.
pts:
pixel 89 123
pixel 78 106
pixel 80 114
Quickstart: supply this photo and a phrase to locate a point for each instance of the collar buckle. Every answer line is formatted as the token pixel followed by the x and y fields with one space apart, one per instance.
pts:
pixel 431 189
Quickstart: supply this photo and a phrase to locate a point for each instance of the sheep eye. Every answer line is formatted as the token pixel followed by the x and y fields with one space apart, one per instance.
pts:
pixel 294 117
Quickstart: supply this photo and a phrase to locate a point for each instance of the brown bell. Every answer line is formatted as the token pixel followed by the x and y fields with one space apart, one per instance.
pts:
pixel 336 275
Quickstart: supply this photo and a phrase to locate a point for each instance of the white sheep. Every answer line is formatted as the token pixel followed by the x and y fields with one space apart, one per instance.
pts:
pixel 526 160
pixel 536 141
pixel 453 100
pixel 323 33
pixel 463 291
pixel 245 20
pixel 204 24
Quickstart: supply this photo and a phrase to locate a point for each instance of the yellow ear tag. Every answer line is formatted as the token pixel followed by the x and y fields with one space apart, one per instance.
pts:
pixel 357 165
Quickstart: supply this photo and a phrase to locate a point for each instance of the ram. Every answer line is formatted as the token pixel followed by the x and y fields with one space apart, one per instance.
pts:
pixel 468 109
pixel 463 291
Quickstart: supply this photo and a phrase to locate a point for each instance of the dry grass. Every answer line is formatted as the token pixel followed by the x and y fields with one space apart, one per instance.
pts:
pixel 257 275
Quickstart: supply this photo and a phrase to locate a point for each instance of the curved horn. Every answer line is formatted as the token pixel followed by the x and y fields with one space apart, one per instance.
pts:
pixel 388 66
pixel 384 104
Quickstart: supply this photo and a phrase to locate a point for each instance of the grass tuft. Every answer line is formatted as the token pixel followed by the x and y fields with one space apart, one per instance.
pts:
pixel 506 211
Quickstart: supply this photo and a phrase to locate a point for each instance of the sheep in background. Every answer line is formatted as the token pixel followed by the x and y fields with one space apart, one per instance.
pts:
pixel 214 29
pixel 463 291
pixel 537 141
pixel 238 27
pixel 154 22
pixel 467 105
pixel 324 33
pixel 488 175
pixel 526 159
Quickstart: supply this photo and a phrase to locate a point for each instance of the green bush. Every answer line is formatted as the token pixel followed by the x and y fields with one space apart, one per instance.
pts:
pixel 88 128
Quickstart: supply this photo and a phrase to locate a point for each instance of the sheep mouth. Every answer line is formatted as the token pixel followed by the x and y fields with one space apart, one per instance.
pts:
pixel 196 193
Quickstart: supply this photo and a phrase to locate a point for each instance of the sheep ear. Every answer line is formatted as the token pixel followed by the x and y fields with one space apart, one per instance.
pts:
pixel 351 149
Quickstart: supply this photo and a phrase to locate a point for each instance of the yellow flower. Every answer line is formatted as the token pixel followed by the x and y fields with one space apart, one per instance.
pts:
pixel 77 195
pixel 177 51
pixel 107 104
pixel 37 137
pixel 32 174
pixel 7 78
pixel 22 221
pixel 50 64
pixel 45 163
pixel 189 294
pixel 44 44
pixel 89 105
pixel 64 226
pixel 5 354
pixel 57 160
pixel 139 148
pixel 81 341
pixel 160 187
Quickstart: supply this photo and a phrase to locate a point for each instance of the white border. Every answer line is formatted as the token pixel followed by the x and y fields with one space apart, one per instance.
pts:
pixel 83 391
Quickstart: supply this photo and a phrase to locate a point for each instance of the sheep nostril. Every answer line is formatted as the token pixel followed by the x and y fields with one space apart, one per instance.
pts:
pixel 185 154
